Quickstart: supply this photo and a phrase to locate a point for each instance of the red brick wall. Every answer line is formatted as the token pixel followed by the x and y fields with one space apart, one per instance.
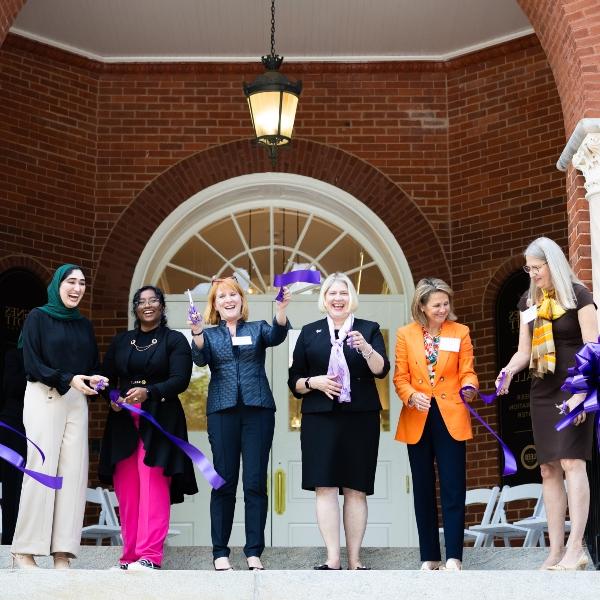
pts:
pixel 47 159
pixel 569 32
pixel 9 9
pixel 96 156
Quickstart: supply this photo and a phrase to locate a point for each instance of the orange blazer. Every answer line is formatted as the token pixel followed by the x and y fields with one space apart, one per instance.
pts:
pixel 453 371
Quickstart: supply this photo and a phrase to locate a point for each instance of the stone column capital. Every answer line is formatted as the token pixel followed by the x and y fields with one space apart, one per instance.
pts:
pixel 587 160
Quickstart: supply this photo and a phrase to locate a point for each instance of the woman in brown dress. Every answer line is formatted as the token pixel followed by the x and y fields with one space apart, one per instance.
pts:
pixel 558 316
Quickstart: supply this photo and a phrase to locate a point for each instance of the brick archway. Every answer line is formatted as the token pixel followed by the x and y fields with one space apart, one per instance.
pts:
pixel 568 32
pixel 127 240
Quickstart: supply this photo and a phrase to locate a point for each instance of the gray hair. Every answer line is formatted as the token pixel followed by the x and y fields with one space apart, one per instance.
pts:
pixel 423 291
pixel 329 281
pixel 562 275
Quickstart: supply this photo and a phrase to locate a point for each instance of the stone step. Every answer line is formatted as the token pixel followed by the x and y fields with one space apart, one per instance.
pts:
pixel 82 584
pixel 490 574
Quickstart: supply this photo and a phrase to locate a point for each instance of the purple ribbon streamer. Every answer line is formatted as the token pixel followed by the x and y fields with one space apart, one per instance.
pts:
pixel 510 462
pixel 196 455
pixel 17 461
pixel 584 377
pixel 302 275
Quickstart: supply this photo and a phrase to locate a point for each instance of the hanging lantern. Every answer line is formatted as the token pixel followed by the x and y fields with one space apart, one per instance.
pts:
pixel 272 100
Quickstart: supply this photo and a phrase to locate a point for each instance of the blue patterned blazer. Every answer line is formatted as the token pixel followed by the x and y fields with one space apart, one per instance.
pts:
pixel 238 371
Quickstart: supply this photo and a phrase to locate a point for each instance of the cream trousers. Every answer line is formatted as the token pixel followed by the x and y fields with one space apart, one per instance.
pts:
pixel 49 520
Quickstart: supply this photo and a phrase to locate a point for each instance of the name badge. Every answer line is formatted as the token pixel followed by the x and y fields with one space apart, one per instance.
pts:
pixel 529 315
pixel 450 344
pixel 242 340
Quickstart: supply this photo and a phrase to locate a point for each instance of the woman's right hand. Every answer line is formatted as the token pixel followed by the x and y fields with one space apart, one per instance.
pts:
pixel 508 375
pixel 420 401
pixel 115 406
pixel 326 384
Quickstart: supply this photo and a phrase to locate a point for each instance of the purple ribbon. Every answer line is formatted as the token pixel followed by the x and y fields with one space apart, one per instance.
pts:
pixel 510 462
pixel 196 455
pixel 302 275
pixel 584 377
pixel 17 461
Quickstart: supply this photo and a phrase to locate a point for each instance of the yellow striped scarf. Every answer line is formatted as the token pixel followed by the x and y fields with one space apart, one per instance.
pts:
pixel 543 353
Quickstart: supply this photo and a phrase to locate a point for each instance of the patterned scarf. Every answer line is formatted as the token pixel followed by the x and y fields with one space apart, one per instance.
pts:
pixel 337 361
pixel 543 352
pixel 432 347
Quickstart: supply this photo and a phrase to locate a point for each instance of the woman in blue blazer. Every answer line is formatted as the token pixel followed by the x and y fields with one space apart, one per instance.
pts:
pixel 240 410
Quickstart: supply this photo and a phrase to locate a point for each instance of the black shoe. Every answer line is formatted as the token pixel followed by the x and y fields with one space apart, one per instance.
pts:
pixel 362 569
pixel 325 567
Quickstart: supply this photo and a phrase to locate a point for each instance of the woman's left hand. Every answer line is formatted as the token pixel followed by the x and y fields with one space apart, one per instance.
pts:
pixel 573 402
pixel 356 340
pixel 282 305
pixel 96 380
pixel 469 394
pixel 136 395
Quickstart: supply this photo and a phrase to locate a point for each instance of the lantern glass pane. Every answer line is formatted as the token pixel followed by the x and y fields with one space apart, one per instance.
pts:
pixel 288 114
pixel 265 110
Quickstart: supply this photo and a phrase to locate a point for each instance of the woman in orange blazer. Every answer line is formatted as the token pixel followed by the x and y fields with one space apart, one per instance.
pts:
pixel 434 359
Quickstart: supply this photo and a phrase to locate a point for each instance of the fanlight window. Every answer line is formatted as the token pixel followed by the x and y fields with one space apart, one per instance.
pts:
pixel 257 244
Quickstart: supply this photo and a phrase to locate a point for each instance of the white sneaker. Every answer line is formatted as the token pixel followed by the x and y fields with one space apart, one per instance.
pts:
pixel 143 565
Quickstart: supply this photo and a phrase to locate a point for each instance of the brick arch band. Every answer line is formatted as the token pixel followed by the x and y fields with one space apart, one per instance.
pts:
pixel 153 205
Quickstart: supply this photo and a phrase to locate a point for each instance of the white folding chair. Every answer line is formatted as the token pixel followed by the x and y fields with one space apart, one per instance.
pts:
pixel 499 525
pixel 113 503
pixel 484 496
pixel 105 527
pixel 539 525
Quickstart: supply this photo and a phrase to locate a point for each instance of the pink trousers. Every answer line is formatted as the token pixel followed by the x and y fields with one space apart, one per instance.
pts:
pixel 144 507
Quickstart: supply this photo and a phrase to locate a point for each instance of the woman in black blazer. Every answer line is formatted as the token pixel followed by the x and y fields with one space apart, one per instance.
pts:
pixel 149 365
pixel 335 362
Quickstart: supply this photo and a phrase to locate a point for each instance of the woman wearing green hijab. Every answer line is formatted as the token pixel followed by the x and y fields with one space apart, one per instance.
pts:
pixel 60 356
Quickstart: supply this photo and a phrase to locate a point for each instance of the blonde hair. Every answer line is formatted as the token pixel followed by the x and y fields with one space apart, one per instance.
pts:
pixel 329 281
pixel 561 274
pixel 211 314
pixel 423 292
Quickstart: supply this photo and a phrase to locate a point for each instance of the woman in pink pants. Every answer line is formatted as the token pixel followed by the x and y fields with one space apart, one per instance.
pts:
pixel 149 365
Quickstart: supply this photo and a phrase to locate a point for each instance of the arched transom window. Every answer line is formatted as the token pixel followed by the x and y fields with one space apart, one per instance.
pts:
pixel 258 243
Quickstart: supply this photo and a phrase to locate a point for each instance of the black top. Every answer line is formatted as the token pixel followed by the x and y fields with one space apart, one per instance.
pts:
pixel 54 350
pixel 164 369
pixel 311 358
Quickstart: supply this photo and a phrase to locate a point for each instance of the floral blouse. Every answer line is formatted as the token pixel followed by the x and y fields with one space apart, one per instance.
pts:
pixel 432 346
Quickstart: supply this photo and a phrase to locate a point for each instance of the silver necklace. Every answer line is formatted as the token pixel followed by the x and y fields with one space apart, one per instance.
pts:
pixel 144 348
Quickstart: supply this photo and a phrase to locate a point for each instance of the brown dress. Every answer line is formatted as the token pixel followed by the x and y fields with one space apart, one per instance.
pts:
pixel 571 442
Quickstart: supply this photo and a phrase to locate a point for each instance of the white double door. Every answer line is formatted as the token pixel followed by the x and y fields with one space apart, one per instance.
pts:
pixel 291 520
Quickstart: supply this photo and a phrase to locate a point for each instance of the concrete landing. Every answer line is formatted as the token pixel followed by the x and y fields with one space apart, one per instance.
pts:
pixel 292 559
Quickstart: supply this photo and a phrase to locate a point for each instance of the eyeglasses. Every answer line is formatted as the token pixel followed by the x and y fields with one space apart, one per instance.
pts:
pixel 147 302
pixel 533 270
pixel 221 279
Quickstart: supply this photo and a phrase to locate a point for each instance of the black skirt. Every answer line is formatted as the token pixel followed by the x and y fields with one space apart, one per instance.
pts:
pixel 339 449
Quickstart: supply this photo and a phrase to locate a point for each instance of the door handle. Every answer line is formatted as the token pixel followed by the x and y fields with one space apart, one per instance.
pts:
pixel 279 491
